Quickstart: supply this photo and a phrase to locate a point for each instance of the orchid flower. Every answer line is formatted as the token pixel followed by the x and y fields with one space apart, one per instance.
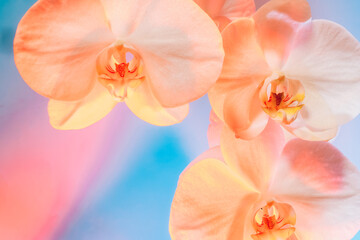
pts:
pixel 225 11
pixel 264 189
pixel 281 65
pixel 89 55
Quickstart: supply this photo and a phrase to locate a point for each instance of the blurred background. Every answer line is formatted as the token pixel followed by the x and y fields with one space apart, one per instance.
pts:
pixel 114 180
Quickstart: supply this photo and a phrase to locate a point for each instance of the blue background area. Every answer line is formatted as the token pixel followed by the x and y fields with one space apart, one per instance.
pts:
pixel 135 204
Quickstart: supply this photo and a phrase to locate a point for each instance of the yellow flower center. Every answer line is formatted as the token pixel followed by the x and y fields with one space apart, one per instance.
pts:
pixel 275 221
pixel 119 68
pixel 281 98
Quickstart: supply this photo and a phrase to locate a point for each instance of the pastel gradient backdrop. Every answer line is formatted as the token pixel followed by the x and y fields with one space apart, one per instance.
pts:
pixel 114 180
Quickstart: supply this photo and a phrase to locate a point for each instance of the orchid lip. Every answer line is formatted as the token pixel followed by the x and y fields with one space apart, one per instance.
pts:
pixel 119 68
pixel 281 98
pixel 274 221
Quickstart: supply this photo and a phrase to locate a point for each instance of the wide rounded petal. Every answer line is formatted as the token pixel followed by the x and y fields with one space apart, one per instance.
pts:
pixel 277 22
pixel 323 188
pixel 144 105
pixel 315 121
pixel 316 112
pixel 211 202
pixel 243 56
pixel 327 64
pixel 56 45
pixel 254 159
pixel 211 153
pixel 244 63
pixel 308 134
pixel 180 45
pixel 212 7
pixel 80 114
pixel 238 8
pixel 227 8
pixel 243 113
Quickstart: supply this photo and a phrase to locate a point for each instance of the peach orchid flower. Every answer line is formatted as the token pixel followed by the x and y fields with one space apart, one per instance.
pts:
pixel 262 189
pixel 88 55
pixel 224 11
pixel 279 64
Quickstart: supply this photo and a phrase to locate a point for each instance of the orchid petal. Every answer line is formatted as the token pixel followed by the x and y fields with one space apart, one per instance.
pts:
pixel 238 8
pixel 212 7
pixel 327 63
pixel 244 64
pixel 317 113
pixel 254 159
pixel 180 45
pixel 315 121
pixel 277 22
pixel 56 46
pixel 322 186
pixel 227 8
pixel 80 114
pixel 144 105
pixel 210 201
pixel 243 56
pixel 211 153
pixel 308 134
pixel 243 113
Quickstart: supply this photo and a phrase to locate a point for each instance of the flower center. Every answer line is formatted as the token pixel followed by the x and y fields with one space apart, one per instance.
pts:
pixel 281 98
pixel 119 68
pixel 275 221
